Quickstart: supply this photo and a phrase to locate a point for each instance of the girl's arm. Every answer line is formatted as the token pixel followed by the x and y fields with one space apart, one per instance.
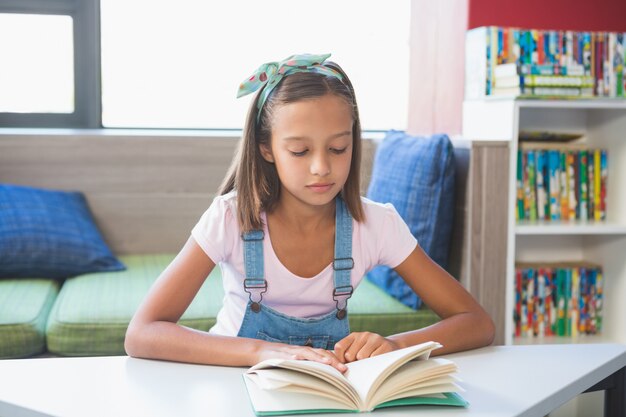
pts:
pixel 464 325
pixel 154 333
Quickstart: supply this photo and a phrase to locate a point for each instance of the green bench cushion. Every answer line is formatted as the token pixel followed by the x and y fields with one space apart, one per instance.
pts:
pixel 92 311
pixel 373 310
pixel 24 308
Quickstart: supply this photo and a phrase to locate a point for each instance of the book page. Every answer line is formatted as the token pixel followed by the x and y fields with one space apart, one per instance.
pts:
pixel 412 375
pixel 316 369
pixel 296 381
pixel 276 402
pixel 365 375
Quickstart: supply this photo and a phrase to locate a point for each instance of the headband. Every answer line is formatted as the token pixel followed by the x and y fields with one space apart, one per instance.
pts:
pixel 270 74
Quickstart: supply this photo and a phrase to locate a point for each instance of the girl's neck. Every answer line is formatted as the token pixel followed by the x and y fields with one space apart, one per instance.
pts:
pixel 301 218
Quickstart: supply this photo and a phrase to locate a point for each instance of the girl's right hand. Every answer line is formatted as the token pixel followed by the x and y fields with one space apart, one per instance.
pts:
pixel 271 350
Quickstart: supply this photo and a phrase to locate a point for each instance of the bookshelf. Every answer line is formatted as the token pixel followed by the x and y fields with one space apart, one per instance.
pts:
pixel 603 122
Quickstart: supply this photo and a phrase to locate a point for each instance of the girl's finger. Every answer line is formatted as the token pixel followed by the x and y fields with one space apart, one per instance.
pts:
pixel 367 349
pixel 350 355
pixel 342 346
pixel 326 357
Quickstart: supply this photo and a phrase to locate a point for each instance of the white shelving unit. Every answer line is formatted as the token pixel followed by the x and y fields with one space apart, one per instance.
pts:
pixel 603 122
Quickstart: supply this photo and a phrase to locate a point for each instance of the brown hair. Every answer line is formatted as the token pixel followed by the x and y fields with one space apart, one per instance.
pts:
pixel 255 179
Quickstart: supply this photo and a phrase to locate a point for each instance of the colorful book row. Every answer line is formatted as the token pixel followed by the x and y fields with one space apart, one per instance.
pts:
pixel 496 55
pixel 558 300
pixel 561 184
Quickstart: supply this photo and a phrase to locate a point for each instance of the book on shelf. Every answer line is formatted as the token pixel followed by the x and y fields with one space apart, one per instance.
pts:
pixel 544 63
pixel 557 299
pixel 560 181
pixel 403 377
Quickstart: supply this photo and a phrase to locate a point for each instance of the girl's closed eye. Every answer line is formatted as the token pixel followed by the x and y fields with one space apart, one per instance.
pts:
pixel 338 151
pixel 299 153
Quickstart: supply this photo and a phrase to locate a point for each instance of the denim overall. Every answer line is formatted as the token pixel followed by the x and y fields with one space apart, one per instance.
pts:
pixel 265 323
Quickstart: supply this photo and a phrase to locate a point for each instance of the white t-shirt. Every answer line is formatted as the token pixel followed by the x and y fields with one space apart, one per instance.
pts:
pixel 383 239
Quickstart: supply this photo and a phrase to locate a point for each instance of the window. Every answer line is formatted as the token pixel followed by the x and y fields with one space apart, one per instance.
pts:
pixel 37 74
pixel 177 63
pixel 50 73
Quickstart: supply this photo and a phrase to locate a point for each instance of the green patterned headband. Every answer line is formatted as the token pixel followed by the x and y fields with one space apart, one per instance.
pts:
pixel 270 74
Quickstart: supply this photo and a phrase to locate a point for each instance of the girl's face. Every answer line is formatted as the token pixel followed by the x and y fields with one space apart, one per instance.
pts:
pixel 311 146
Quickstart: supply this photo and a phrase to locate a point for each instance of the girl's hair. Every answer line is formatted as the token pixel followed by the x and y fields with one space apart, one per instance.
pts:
pixel 255 179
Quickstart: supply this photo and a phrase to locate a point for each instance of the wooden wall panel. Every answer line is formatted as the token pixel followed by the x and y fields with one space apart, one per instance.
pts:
pixel 488 229
pixel 146 193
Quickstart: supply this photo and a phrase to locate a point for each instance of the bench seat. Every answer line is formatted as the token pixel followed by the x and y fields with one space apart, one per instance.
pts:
pixel 24 308
pixel 92 311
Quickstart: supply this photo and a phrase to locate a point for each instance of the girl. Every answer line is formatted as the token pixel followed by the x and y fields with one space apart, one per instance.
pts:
pixel 294 238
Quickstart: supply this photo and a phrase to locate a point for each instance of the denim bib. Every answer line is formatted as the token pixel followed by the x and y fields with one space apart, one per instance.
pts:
pixel 265 323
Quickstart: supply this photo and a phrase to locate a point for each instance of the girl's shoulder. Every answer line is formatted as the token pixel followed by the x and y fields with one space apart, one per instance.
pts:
pixel 377 211
pixel 230 197
pixel 222 208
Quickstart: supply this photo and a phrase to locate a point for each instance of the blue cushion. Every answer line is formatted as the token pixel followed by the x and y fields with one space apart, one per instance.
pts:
pixel 416 175
pixel 49 234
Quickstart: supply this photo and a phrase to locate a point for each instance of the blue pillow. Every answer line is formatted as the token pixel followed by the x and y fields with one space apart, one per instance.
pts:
pixel 49 234
pixel 416 175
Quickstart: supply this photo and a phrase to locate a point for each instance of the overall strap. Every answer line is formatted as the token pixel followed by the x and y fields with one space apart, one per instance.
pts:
pixel 255 283
pixel 343 262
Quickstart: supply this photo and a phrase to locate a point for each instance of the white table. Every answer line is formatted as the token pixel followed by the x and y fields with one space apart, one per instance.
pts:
pixel 499 381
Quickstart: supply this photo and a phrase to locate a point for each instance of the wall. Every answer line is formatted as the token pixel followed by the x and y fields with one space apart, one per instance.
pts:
pixel 437 65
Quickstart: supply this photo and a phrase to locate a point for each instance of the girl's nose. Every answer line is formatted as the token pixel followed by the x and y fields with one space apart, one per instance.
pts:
pixel 320 166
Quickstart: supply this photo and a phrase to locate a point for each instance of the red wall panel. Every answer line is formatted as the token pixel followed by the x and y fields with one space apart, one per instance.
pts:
pixel 583 15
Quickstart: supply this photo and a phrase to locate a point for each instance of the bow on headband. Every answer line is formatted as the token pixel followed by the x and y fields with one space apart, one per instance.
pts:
pixel 271 73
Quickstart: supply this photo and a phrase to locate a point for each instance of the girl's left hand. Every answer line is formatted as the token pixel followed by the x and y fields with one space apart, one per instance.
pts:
pixel 361 345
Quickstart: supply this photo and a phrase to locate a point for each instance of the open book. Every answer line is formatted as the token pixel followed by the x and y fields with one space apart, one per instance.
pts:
pixel 402 377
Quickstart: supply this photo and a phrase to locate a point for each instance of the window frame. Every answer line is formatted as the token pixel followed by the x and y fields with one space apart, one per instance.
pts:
pixel 87 74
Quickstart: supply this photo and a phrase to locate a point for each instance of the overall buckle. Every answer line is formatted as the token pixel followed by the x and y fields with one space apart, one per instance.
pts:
pixel 342 294
pixel 257 288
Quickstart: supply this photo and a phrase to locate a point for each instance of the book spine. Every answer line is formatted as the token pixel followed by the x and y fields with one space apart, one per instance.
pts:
pixel 541 47
pixel 620 50
pixel 541 303
pixel 592 327
pixel 603 182
pixel 576 49
pixel 583 305
pixel 610 65
pixel 530 301
pixel 532 196
pixel 524 302
pixel 551 302
pixel 536 304
pixel 555 190
pixel 477 48
pixel 597 179
pixel 573 201
pixel 540 189
pixel 568 302
pixel 561 302
pixel 517 311
pixel 519 213
pixel 500 45
pixel 599 297
pixel 493 57
pixel 584 197
pixel 586 53
pixel 591 188
pixel 515 47
pixel 573 302
pixel 607 66
pixel 564 185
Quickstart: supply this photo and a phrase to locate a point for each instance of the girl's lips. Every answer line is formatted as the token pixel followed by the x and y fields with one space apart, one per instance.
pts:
pixel 320 188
